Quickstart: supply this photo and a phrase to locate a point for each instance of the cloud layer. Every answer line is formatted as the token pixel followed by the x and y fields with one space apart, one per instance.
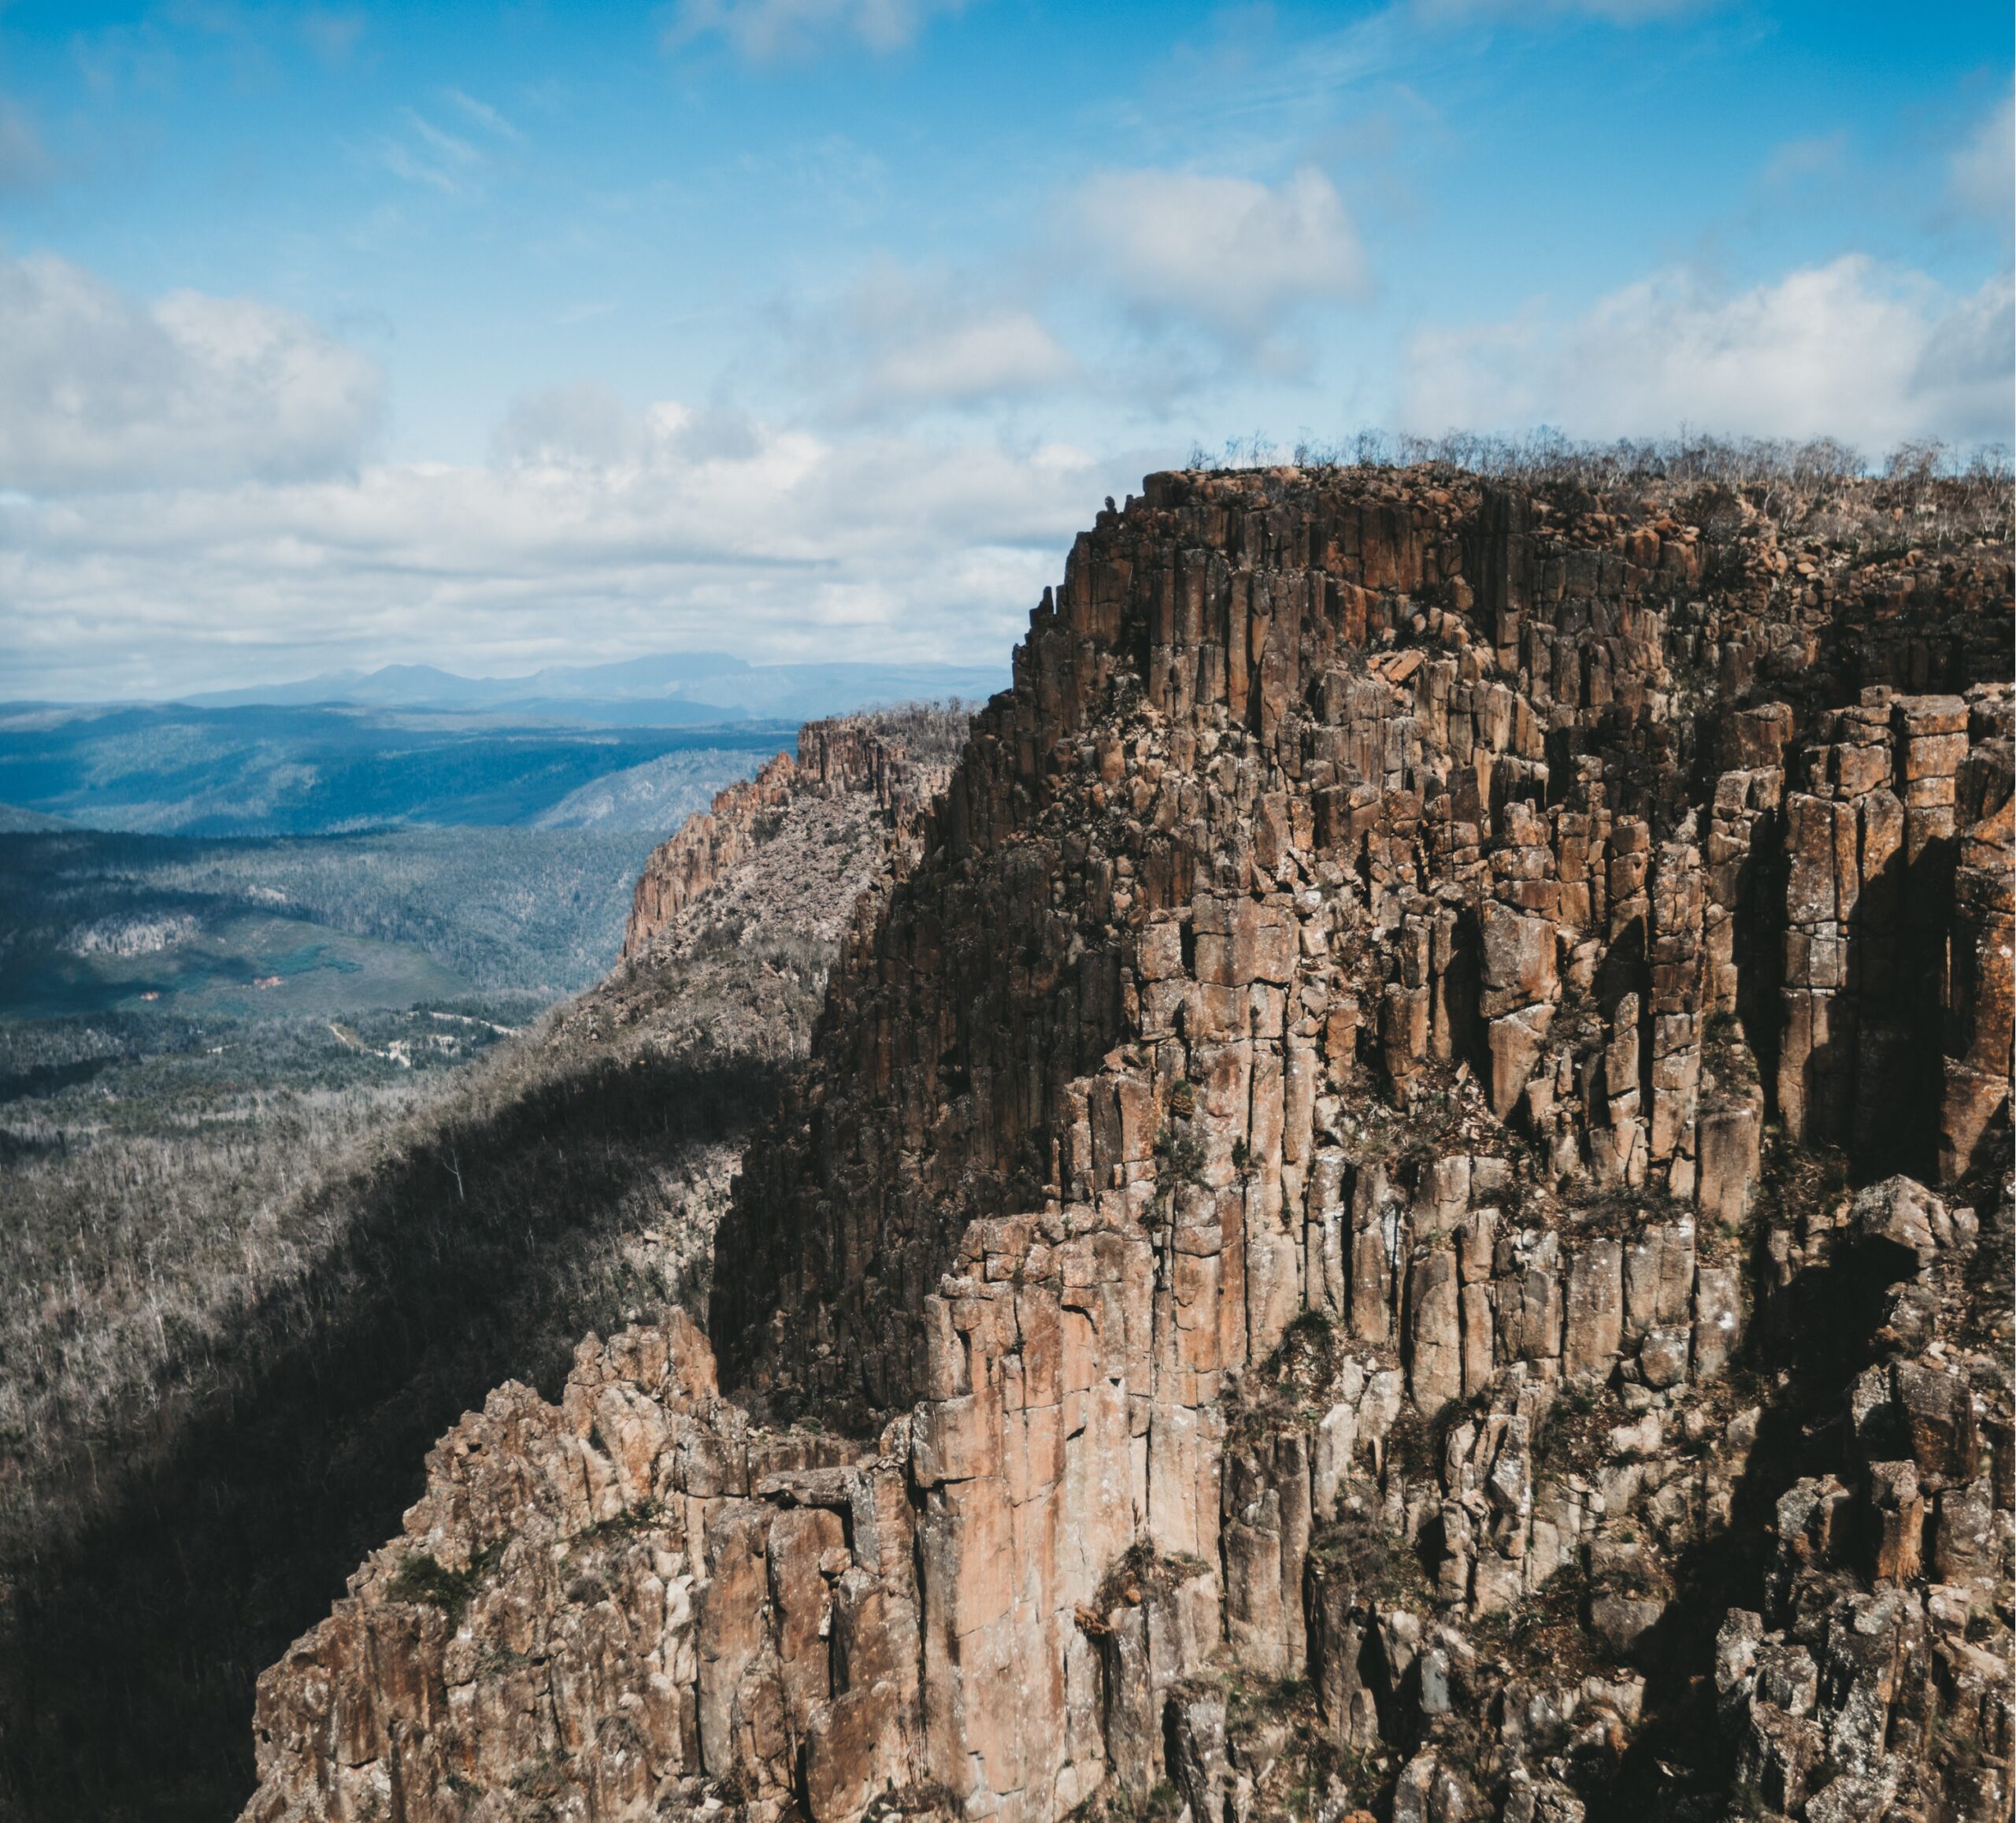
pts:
pixel 594 532
pixel 1851 349
pixel 99 391
pixel 898 342
pixel 190 504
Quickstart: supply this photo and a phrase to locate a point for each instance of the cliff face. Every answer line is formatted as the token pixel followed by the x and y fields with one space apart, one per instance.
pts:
pixel 864 762
pixel 569 1181
pixel 1325 1199
pixel 1461 778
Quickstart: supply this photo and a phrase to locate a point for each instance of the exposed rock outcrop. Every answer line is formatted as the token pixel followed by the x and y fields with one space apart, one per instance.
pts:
pixel 858 762
pixel 1876 1681
pixel 1313 1240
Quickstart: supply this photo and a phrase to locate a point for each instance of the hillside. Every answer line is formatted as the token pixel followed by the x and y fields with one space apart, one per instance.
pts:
pixel 228 1342
pixel 1403 1213
pixel 95 922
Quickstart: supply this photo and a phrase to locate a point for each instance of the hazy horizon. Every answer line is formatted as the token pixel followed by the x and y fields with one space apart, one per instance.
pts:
pixel 284 686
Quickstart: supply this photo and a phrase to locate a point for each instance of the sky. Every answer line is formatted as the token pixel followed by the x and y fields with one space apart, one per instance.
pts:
pixel 500 336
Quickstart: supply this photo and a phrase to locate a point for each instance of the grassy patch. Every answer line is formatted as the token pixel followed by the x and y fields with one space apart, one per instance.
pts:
pixel 422 1581
pixel 1140 1571
pixel 1379 1563
pixel 1179 1155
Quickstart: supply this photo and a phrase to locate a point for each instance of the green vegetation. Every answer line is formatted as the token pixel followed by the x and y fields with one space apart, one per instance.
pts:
pixel 297 1162
pixel 1950 497
pixel 1179 1155
pixel 1379 1563
pixel 424 1581
pixel 1138 1573
pixel 147 1162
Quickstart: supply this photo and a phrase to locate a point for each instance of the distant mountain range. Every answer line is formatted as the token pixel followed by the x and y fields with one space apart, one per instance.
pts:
pixel 16 822
pixel 669 689
pixel 264 769
pixel 631 746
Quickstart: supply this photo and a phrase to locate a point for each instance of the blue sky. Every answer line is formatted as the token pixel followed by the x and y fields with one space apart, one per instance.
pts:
pixel 500 336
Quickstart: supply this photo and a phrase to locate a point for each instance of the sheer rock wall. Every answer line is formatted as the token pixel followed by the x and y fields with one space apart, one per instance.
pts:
pixel 1280 1194
pixel 1313 787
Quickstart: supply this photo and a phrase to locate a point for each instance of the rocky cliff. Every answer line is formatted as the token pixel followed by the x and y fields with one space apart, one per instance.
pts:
pixel 357 1299
pixel 1401 1210
pixel 864 764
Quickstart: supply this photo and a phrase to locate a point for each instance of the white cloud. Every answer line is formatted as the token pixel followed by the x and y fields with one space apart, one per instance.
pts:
pixel 1849 349
pixel 445 145
pixel 426 153
pixel 900 340
pixel 97 390
pixel 596 533
pixel 1798 161
pixel 430 155
pixel 1006 351
pixel 1227 252
pixel 584 423
pixel 1983 175
pixel 765 30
